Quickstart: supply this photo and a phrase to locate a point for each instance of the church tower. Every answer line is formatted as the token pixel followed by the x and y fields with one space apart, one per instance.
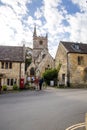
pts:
pixel 39 43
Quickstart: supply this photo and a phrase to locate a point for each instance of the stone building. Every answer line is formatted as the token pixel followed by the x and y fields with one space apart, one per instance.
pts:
pixel 12 65
pixel 72 59
pixel 41 59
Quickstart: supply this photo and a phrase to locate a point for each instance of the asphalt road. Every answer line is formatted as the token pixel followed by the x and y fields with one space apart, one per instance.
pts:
pixel 49 109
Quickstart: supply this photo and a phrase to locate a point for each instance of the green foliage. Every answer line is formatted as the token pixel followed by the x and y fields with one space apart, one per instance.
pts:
pixel 27 62
pixel 59 66
pixel 15 87
pixel 50 75
pixel 27 85
pixel 4 87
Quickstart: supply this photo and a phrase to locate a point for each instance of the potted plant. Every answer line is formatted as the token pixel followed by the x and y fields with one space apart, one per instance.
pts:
pixel 4 87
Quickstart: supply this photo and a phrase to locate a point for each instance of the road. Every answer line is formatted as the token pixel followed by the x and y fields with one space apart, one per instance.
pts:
pixel 49 109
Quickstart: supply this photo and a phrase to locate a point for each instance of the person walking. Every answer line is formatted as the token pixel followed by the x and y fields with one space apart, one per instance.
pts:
pixel 36 83
pixel 40 83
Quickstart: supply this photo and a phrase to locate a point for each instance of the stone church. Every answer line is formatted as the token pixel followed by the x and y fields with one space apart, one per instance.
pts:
pixel 41 58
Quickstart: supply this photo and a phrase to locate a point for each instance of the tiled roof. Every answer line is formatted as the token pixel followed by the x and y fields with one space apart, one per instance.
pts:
pixel 11 53
pixel 75 47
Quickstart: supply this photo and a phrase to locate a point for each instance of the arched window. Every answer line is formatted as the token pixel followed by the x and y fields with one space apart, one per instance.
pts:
pixel 32 71
pixel 43 56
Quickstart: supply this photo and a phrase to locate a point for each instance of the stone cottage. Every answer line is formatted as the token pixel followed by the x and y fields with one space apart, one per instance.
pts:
pixel 12 65
pixel 71 58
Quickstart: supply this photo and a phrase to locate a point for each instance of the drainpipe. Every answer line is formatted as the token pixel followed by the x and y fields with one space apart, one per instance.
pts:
pixel 20 74
pixel 68 71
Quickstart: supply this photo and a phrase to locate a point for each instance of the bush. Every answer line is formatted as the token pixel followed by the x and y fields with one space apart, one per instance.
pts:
pixel 15 87
pixel 4 87
pixel 27 85
pixel 50 75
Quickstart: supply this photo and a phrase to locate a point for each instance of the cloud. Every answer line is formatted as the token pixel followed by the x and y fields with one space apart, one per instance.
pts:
pixel 11 19
pixel 38 14
pixel 81 3
pixel 16 23
pixel 77 27
pixel 18 6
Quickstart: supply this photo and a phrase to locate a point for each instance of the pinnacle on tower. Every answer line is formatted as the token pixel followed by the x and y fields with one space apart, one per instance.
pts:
pixel 46 35
pixel 34 34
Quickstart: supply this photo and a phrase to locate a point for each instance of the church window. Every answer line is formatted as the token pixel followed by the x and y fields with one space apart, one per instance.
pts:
pixel 80 60
pixel 41 42
pixel 43 56
pixel 48 66
pixel 32 71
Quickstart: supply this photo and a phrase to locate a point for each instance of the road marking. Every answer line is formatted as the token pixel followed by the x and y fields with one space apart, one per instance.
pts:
pixel 73 127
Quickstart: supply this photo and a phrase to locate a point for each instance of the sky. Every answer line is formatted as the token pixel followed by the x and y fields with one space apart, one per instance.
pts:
pixel 62 20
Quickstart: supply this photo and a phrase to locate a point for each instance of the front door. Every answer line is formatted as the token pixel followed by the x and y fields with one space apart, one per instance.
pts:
pixel 0 81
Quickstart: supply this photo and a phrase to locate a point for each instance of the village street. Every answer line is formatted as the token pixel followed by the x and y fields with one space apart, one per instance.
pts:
pixel 49 109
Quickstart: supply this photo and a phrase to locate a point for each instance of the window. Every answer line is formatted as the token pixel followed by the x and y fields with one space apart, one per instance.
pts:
pixel 77 46
pixel 2 65
pixel 6 65
pixel 10 82
pixel 41 42
pixel 32 71
pixel 63 77
pixel 43 56
pixel 10 65
pixel 80 60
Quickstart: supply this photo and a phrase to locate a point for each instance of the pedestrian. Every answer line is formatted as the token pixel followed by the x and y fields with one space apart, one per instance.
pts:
pixel 36 83
pixel 40 83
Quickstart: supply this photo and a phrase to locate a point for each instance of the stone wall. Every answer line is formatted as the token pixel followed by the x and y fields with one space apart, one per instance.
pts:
pixel 61 58
pixel 14 73
pixel 69 64
pixel 77 72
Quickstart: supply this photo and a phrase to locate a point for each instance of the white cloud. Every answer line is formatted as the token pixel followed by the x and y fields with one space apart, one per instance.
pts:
pixel 17 25
pixel 82 4
pixel 18 6
pixel 77 28
pixel 38 14
pixel 13 31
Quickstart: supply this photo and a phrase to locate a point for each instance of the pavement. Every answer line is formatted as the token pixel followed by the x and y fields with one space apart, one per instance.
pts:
pixel 49 109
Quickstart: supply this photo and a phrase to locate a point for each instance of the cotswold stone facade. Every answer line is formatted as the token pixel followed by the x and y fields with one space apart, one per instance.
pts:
pixel 73 60
pixel 41 59
pixel 12 65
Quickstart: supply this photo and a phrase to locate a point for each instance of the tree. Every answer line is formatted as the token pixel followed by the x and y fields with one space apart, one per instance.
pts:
pixel 49 75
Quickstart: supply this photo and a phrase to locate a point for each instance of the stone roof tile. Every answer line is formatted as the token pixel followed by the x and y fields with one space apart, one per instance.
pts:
pixel 75 47
pixel 11 53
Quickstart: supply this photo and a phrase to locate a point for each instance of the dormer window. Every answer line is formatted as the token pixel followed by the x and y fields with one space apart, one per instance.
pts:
pixel 76 46
pixel 41 42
